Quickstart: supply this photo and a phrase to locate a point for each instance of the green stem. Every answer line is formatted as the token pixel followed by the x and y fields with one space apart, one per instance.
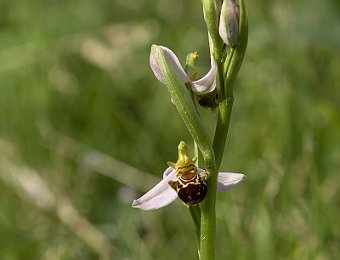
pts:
pixel 221 132
pixel 196 217
pixel 220 74
pixel 208 213
pixel 208 219
pixel 226 75
pixel 195 210
pixel 231 68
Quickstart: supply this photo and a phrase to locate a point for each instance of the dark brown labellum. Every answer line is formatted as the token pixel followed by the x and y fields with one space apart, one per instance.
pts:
pixel 193 192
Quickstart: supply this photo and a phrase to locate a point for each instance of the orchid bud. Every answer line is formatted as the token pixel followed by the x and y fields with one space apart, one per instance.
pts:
pixel 229 22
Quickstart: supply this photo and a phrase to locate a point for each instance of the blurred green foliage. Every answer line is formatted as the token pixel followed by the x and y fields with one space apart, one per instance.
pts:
pixel 85 128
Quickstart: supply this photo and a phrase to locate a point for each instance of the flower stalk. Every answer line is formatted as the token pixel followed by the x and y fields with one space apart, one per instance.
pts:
pixel 233 29
pixel 227 27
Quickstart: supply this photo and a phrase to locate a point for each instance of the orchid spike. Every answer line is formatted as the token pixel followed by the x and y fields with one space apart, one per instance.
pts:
pixel 201 86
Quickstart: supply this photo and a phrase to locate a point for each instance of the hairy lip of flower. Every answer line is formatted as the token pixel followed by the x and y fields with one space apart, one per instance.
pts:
pixel 204 85
pixel 162 194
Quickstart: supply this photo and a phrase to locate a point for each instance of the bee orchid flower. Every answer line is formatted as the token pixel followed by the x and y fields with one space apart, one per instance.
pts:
pixel 201 86
pixel 163 194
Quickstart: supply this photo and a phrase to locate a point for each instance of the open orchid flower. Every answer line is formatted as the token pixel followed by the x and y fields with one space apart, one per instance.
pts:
pixel 202 86
pixel 163 194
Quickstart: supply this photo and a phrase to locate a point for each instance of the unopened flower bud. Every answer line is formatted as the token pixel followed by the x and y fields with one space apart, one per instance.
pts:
pixel 229 22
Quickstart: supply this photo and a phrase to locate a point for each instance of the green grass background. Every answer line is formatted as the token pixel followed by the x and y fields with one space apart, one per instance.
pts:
pixel 85 128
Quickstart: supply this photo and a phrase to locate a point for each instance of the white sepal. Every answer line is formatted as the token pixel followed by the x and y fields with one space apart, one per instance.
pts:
pixel 204 85
pixel 160 195
pixel 176 65
pixel 208 83
pixel 229 180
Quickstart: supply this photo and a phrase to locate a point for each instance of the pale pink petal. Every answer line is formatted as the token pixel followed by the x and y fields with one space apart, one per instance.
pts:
pixel 159 196
pixel 229 180
pixel 172 58
pixel 206 84
pixel 168 171
pixel 155 67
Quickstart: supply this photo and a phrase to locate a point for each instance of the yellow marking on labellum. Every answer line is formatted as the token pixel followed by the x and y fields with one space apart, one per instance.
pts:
pixel 190 185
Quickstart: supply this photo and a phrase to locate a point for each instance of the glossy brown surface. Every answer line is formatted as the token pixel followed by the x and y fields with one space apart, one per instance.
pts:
pixel 192 192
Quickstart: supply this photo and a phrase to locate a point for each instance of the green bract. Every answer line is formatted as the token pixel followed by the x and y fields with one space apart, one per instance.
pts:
pixel 184 104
